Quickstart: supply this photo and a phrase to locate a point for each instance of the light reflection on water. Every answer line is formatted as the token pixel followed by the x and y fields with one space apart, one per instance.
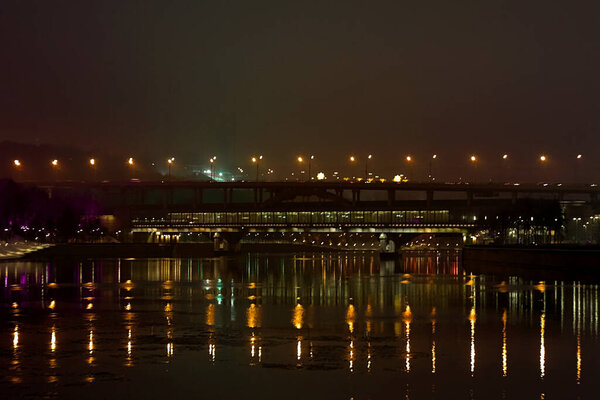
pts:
pixel 347 323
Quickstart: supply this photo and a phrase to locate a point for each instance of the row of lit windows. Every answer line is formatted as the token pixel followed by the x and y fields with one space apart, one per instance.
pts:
pixel 303 217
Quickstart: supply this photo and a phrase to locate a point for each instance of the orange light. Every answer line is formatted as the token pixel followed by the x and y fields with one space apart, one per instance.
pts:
pixel 17 163
pixel 473 158
pixel 92 161
pixel 300 159
pixel 408 158
pixel 542 158
pixel 130 161
pixel 54 162
pixel 352 159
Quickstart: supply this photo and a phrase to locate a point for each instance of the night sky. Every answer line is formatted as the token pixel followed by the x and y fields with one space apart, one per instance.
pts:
pixel 281 78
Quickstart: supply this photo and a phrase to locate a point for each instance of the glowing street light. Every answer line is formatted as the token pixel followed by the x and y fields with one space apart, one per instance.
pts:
pixel 433 157
pixel 408 158
pixel 212 163
pixel 92 162
pixel 367 166
pixel 579 156
pixel 54 163
pixel 505 156
pixel 170 162
pixel 320 176
pixel 543 158
pixel 17 163
pixel 473 158
pixel 130 161
pixel 256 160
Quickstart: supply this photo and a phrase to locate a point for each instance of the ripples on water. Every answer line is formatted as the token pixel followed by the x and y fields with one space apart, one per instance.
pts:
pixel 273 326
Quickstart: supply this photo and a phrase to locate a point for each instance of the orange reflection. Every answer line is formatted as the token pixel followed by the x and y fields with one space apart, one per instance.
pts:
pixel 350 317
pixel 253 316
pixel 542 344
pixel 210 314
pixel 504 349
pixel 298 317
pixel 472 319
pixel 407 318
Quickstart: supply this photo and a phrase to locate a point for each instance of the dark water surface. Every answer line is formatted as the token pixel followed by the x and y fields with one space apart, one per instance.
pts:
pixel 293 326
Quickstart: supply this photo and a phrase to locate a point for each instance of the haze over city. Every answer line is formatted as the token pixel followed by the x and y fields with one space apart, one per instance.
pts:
pixel 155 79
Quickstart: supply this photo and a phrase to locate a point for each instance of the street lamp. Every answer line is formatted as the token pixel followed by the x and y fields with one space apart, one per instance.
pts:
pixel 256 160
pixel 130 161
pixel 212 163
pixel 93 166
pixel 367 166
pixel 433 157
pixel 170 162
pixel 474 163
pixel 17 163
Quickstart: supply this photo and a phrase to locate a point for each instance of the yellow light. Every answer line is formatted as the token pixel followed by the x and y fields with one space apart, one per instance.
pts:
pixel 298 318
pixel 370 156
pixel 320 176
pixel 434 156
pixel 16 337
pixel 92 161
pixel 408 158
pixel 170 161
pixel 352 158
pixel 254 159
pixel 473 158
pixel 52 305
pixel 505 156
pixel 300 159
pixel 53 339
pixel 17 163
pixel 130 161
pixel 397 179
pixel 350 317
pixel 90 306
pixel 542 158
pixel 54 162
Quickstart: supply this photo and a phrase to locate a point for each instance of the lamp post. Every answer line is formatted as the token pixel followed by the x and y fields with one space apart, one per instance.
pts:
pixel 309 166
pixel 474 163
pixel 54 166
pixel 367 166
pixel 543 161
pixel 579 160
pixel 352 161
pixel 256 160
pixel 409 163
pixel 17 164
pixel 94 169
pixel 170 162
pixel 430 174
pixel 212 163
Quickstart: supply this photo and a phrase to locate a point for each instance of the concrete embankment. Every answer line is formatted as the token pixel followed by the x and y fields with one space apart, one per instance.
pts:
pixel 158 250
pixel 549 262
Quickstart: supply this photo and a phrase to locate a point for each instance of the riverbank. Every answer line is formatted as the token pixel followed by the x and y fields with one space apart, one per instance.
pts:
pixel 159 250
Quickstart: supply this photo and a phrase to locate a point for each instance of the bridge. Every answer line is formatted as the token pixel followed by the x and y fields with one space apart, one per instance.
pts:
pixel 192 206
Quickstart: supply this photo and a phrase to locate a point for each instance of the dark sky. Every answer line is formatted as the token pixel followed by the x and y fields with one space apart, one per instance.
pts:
pixel 329 77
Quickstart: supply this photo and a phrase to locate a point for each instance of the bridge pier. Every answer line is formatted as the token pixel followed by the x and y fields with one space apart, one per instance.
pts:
pixel 429 198
pixel 227 242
